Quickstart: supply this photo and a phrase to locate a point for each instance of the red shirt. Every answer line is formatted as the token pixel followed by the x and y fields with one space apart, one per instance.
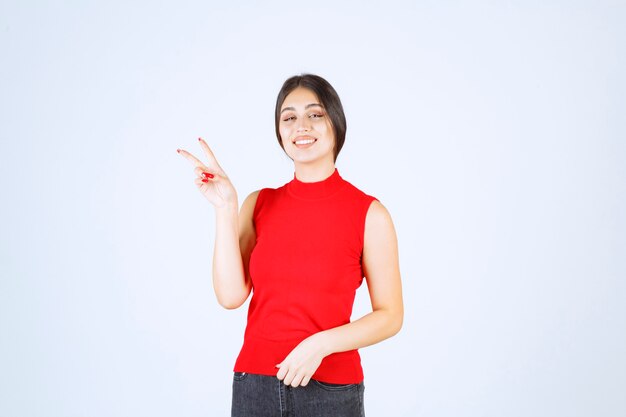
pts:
pixel 305 270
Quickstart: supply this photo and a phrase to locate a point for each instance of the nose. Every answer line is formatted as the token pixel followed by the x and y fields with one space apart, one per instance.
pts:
pixel 304 124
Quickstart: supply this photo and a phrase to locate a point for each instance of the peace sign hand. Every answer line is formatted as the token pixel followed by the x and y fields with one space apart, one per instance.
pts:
pixel 211 179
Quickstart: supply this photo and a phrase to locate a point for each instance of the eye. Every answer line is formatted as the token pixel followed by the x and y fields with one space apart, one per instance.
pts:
pixel 316 115
pixel 289 118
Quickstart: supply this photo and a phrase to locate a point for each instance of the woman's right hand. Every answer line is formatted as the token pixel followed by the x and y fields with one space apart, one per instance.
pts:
pixel 211 179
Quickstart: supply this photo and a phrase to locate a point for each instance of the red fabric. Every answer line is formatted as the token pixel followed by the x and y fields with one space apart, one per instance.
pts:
pixel 305 269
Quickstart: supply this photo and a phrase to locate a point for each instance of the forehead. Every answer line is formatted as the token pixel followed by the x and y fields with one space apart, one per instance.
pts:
pixel 299 98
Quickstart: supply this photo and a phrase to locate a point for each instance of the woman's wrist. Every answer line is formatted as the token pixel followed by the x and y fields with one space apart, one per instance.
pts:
pixel 325 341
pixel 227 209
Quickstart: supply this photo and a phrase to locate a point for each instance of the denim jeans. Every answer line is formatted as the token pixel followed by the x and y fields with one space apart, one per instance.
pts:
pixel 267 396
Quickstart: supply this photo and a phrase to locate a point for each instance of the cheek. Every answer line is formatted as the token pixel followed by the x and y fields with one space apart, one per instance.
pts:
pixel 328 131
pixel 284 134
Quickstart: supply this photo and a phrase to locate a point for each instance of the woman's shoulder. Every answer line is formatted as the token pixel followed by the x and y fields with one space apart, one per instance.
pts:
pixel 358 192
pixel 258 197
pixel 248 205
pixel 261 192
pixel 268 192
pixel 252 197
pixel 377 212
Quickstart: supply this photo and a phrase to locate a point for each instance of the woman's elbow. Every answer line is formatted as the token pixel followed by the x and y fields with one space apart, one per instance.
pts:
pixel 229 304
pixel 232 301
pixel 396 322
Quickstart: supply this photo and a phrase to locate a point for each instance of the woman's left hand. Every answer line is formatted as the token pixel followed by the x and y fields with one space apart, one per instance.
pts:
pixel 300 365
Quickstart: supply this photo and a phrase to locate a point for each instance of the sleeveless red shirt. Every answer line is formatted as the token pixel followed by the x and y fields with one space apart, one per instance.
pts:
pixel 305 270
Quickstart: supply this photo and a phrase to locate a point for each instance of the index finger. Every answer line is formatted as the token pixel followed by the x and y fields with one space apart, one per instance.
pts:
pixel 191 158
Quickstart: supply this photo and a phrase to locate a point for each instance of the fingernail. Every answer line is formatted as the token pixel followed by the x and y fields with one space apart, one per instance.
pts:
pixel 206 174
pixel 199 138
pixel 205 180
pixel 178 150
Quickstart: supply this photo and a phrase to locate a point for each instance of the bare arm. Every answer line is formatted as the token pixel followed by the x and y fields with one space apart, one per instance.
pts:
pixel 381 268
pixel 235 238
pixel 382 271
pixel 234 232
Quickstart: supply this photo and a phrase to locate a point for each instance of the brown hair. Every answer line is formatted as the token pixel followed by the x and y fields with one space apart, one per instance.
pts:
pixel 329 100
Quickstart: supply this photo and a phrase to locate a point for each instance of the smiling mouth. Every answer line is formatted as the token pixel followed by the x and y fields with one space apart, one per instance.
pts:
pixel 304 140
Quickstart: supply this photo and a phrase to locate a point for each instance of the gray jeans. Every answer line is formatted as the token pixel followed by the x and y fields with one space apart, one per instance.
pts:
pixel 267 396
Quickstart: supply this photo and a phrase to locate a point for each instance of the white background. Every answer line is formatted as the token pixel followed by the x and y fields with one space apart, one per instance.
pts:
pixel 492 131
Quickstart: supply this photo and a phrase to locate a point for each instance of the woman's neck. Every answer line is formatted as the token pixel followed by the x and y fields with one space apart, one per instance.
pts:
pixel 314 172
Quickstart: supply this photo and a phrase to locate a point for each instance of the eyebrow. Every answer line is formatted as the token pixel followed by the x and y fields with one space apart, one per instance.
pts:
pixel 306 107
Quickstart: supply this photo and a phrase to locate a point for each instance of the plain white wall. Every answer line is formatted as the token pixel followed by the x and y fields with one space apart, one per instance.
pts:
pixel 492 131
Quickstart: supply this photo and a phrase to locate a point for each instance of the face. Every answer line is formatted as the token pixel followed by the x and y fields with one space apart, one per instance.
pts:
pixel 305 128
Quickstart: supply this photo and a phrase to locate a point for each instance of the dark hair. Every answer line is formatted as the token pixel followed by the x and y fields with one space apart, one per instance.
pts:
pixel 328 98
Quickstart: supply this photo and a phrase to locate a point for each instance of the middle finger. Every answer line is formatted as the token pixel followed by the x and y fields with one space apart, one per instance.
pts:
pixel 212 161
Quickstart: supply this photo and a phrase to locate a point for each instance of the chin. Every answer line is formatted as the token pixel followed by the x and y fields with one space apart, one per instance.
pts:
pixel 307 159
pixel 304 160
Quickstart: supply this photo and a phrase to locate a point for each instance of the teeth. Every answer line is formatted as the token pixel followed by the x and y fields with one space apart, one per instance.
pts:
pixel 304 141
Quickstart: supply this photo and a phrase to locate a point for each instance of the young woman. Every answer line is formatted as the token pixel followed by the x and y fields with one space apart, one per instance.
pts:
pixel 303 249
